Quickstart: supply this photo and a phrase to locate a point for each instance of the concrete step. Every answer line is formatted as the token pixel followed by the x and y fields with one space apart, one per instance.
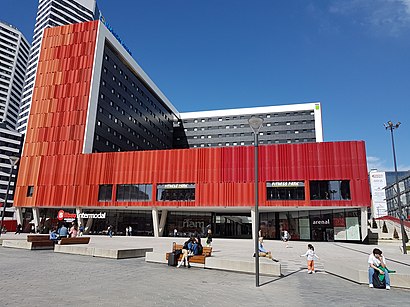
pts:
pixel 266 266
pixel 22 244
pixel 361 276
pixel 102 252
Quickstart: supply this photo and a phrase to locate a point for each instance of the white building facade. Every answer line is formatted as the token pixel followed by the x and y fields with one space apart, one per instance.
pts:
pixel 14 53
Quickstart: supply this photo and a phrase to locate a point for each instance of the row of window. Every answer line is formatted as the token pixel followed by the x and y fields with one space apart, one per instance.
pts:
pixel 209 119
pixel 143 192
pixel 283 190
pixel 306 140
pixel 247 126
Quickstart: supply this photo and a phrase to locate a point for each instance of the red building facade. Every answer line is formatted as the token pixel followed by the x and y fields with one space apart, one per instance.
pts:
pixel 187 189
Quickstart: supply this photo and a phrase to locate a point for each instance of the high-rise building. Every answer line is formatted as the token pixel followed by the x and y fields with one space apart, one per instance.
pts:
pixel 50 13
pixel 14 52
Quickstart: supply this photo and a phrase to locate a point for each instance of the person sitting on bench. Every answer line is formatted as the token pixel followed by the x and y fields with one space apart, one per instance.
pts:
pixel 187 251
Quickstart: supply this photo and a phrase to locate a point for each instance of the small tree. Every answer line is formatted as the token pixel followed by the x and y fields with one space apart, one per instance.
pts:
pixel 384 228
pixel 406 238
pixel 395 234
pixel 374 224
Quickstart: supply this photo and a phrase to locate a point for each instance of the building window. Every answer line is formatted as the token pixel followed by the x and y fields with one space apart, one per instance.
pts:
pixel 134 192
pixel 285 190
pixel 330 190
pixel 105 192
pixel 176 192
pixel 30 191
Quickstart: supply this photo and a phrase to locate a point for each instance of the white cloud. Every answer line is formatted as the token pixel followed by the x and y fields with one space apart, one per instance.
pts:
pixel 383 16
pixel 382 165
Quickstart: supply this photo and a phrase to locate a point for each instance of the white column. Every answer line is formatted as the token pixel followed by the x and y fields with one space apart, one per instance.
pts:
pixel 88 226
pixel 162 222
pixel 19 215
pixel 155 222
pixel 36 218
pixel 363 221
pixel 253 215
pixel 80 220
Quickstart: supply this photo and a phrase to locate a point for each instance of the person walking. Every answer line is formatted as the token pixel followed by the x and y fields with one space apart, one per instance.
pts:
pixel 310 256
pixel 110 231
pixel 129 231
pixel 286 237
pixel 209 238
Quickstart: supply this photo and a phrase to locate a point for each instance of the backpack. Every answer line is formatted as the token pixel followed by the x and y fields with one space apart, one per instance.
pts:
pixel 377 283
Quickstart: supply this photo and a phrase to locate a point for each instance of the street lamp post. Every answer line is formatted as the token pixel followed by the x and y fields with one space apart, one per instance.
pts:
pixel 390 126
pixel 13 162
pixel 256 123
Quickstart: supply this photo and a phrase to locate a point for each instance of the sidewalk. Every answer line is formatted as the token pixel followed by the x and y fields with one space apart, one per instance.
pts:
pixel 341 259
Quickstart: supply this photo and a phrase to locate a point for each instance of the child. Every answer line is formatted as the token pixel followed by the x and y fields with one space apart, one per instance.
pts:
pixel 310 254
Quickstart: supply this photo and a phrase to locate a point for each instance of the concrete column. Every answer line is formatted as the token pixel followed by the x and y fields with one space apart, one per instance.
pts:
pixel 253 225
pixel 80 220
pixel 363 222
pixel 155 222
pixel 19 215
pixel 162 222
pixel 88 226
pixel 36 218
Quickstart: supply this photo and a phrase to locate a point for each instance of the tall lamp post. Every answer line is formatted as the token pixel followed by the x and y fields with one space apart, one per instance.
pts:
pixel 13 162
pixel 256 124
pixel 390 126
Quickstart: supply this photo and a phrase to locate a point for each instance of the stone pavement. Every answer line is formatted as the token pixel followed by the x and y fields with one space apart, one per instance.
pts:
pixel 44 278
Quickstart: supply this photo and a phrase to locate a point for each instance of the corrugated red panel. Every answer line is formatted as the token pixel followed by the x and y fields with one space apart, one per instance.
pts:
pixel 62 176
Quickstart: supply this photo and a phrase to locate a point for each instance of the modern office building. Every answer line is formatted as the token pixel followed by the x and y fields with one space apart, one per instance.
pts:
pixel 379 183
pixel 391 196
pixel 51 13
pixel 14 52
pixel 99 148
pixel 285 124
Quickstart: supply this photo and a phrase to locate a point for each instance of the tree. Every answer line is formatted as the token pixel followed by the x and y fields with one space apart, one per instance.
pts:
pixel 374 224
pixel 384 228
pixel 395 234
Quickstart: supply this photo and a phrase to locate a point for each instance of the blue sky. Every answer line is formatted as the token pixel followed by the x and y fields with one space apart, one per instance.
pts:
pixel 352 55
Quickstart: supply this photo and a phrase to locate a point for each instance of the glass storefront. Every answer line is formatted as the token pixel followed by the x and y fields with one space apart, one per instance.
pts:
pixel 314 225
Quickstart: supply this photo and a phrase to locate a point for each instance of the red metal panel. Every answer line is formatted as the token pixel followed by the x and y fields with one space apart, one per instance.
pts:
pixel 62 176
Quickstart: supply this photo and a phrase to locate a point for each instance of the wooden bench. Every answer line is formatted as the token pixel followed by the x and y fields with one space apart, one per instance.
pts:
pixel 39 240
pixel 77 240
pixel 206 252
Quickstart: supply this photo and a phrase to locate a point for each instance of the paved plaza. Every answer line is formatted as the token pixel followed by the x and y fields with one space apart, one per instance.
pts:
pixel 43 278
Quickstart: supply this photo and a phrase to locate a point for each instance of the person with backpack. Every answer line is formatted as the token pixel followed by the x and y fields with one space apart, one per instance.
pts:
pixel 378 272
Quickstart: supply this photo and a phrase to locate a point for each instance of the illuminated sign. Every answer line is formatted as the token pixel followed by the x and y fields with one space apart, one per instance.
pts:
pixel 62 215
pixel 290 184
pixel 176 186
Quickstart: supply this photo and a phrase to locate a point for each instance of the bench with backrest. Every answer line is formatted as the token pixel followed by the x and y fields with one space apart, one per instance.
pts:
pixel 206 252
pixel 76 240
pixel 40 240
